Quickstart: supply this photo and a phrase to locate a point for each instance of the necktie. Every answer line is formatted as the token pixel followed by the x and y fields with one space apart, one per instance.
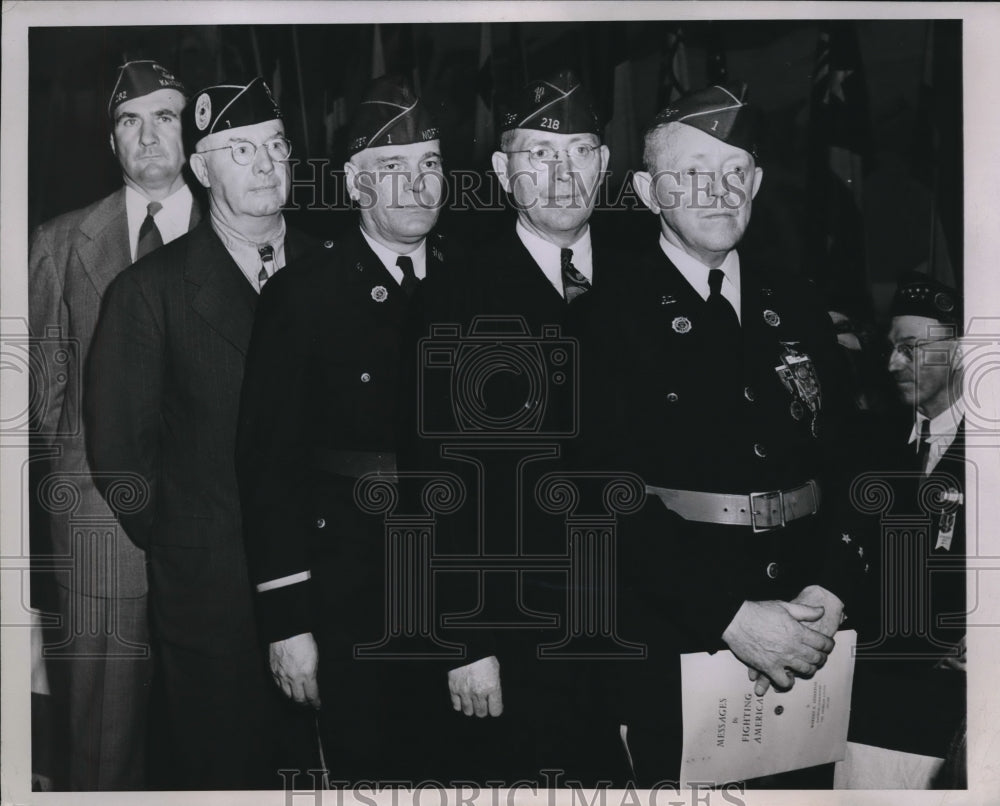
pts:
pixel 266 264
pixel 924 446
pixel 574 283
pixel 722 310
pixel 149 235
pixel 409 284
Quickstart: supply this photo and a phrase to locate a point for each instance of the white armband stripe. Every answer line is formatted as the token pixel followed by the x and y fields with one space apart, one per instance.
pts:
pixel 271 584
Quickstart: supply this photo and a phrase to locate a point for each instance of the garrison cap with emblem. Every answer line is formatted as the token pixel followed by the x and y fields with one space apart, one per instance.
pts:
pixel 228 106
pixel 920 295
pixel 138 78
pixel 390 114
pixel 720 110
pixel 559 104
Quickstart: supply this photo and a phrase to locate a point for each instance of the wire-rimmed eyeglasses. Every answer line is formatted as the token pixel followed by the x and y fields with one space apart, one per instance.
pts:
pixel 538 156
pixel 243 152
pixel 907 349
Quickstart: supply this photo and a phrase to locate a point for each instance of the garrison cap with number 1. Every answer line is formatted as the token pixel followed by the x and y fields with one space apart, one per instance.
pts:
pixel 227 106
pixel 390 114
pixel 138 78
pixel 559 104
pixel 721 111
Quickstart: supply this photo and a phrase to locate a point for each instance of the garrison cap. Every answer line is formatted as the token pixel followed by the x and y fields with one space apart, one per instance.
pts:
pixel 720 110
pixel 390 114
pixel 228 106
pixel 141 77
pixel 920 295
pixel 559 104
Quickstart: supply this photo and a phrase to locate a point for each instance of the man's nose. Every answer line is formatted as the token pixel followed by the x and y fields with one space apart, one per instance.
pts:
pixel 147 133
pixel 262 162
pixel 896 362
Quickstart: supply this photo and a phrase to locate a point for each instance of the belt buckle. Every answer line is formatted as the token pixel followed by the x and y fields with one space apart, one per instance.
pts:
pixel 768 496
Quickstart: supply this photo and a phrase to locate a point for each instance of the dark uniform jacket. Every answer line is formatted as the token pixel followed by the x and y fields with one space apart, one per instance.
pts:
pixel 323 404
pixel 914 603
pixel 662 402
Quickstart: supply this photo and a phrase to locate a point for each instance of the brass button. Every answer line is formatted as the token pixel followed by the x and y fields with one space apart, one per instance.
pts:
pixel 773 570
pixel 672 397
pixel 320 523
pixel 760 450
pixel 328 244
pixel 749 394
pixel 365 377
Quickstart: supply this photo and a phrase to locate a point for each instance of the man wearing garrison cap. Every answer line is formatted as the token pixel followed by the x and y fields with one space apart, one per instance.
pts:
pixel 717 381
pixel 890 744
pixel 72 260
pixel 551 163
pixel 324 404
pixel 163 387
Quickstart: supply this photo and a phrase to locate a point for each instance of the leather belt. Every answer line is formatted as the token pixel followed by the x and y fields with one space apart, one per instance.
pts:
pixel 762 511
pixel 355 464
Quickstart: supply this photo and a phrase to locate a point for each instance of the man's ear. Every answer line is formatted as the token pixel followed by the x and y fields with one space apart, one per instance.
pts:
pixel 351 175
pixel 111 141
pixel 500 169
pixel 642 181
pixel 200 169
pixel 758 177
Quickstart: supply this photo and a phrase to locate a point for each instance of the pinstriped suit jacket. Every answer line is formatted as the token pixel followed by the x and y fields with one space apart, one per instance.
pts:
pixel 73 259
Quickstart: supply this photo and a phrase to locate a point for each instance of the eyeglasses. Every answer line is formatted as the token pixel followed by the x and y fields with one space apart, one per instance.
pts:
pixel 278 148
pixel 907 349
pixel 540 155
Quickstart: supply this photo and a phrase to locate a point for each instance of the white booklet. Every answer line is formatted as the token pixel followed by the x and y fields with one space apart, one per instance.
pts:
pixel 730 734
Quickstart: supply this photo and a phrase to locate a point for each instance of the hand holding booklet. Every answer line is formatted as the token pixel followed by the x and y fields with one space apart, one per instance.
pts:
pixel 730 734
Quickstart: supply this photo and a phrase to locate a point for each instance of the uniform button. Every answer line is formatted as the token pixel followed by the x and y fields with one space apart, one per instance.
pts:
pixel 749 395
pixel 773 570
pixel 365 377
pixel 760 450
pixel 672 397
pixel 328 244
pixel 320 523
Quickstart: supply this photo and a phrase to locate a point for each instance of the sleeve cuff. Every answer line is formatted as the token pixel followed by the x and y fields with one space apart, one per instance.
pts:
pixel 284 611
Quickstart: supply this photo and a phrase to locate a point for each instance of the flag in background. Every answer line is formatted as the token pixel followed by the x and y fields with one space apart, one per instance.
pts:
pixel 484 131
pixel 839 143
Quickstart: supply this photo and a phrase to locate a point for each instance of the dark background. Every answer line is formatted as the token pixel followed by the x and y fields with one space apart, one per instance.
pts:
pixel 905 126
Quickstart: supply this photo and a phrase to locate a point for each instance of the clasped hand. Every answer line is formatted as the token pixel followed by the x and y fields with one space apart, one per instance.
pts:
pixel 776 639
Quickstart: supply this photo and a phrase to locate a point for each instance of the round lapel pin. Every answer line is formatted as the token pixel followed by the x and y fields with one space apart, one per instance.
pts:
pixel 379 293
pixel 681 324
pixel 772 318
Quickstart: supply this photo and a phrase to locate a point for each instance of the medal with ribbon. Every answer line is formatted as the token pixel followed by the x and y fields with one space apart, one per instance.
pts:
pixel 798 374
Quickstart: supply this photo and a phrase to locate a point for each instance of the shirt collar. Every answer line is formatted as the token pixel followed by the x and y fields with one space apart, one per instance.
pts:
pixel 696 272
pixel 388 257
pixel 246 253
pixel 172 220
pixel 944 425
pixel 548 256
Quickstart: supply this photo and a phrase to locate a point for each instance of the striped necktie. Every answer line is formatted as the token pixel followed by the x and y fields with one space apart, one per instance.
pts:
pixel 266 265
pixel 574 283
pixel 149 234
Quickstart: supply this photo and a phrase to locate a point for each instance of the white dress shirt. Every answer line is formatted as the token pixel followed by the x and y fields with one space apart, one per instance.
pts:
pixel 172 220
pixel 696 273
pixel 943 429
pixel 548 256
pixel 389 258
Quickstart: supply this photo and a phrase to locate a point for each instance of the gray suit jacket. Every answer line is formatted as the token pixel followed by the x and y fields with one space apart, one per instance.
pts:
pixel 73 259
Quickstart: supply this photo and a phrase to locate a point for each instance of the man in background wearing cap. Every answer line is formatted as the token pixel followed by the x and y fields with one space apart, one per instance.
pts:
pixel 323 404
pixel 712 379
pixel 72 260
pixel 161 407
pixel 908 699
